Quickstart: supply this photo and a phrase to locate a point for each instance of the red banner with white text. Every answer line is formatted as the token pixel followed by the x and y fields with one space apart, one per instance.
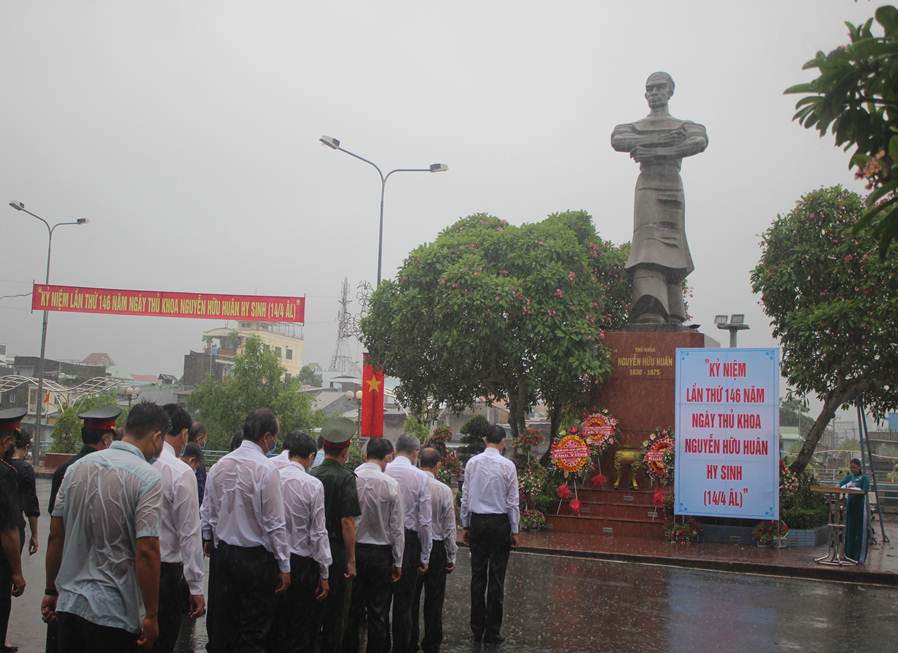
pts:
pixel 245 308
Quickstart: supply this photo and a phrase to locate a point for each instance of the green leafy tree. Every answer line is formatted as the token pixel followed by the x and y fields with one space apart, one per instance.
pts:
pixel 833 305
pixel 310 375
pixel 67 428
pixel 256 381
pixel 413 427
pixel 856 97
pixel 501 312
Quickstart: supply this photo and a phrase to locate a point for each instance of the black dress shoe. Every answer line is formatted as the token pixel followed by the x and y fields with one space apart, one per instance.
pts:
pixel 495 639
pixel 8 649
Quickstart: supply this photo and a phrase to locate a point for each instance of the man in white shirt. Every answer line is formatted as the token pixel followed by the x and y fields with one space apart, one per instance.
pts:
pixel 442 556
pixel 310 552
pixel 180 541
pixel 380 539
pixel 414 488
pixel 490 517
pixel 243 515
pixel 103 550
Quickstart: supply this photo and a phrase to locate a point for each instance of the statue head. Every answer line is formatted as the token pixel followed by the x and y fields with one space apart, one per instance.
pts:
pixel 659 88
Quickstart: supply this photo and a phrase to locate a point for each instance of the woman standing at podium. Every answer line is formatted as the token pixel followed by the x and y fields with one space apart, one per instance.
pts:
pixel 856 512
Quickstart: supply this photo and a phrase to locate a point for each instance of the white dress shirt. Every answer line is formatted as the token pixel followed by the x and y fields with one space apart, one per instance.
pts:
pixel 180 539
pixel 414 487
pixel 381 503
pixel 304 513
pixel 443 507
pixel 281 460
pixel 243 504
pixel 490 488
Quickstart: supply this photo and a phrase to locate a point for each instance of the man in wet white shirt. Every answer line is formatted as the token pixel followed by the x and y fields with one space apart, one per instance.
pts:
pixel 103 549
pixel 380 540
pixel 490 516
pixel 180 541
pixel 243 515
pixel 442 555
pixel 310 551
pixel 414 488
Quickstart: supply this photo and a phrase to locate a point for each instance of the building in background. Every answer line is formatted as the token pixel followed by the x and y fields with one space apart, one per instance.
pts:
pixel 221 345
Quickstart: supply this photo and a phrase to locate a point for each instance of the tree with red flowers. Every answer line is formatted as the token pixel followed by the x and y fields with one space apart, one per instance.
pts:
pixel 507 313
pixel 833 305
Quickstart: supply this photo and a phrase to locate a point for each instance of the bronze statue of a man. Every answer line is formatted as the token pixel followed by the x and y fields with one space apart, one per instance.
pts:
pixel 659 256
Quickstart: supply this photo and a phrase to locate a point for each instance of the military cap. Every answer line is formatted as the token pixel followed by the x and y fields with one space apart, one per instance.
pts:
pixel 10 418
pixel 101 419
pixel 337 432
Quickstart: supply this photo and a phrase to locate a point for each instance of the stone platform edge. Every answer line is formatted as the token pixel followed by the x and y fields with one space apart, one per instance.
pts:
pixel 815 572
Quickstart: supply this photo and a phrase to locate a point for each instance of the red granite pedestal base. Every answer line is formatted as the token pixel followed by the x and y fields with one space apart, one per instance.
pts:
pixel 640 394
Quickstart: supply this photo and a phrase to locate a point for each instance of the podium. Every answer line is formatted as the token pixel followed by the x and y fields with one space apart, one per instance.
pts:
pixel 835 497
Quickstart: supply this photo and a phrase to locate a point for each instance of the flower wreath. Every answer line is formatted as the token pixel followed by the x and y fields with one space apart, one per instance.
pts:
pixel 658 456
pixel 570 454
pixel 599 429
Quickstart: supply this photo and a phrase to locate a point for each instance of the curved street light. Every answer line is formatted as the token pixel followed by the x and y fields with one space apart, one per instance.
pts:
pixel 334 144
pixel 19 206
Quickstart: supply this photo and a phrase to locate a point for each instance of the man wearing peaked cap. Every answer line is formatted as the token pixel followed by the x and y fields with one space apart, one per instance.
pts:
pixel 341 507
pixel 12 583
pixel 97 433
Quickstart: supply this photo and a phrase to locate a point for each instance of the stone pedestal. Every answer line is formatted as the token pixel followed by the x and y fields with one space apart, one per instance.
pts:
pixel 640 391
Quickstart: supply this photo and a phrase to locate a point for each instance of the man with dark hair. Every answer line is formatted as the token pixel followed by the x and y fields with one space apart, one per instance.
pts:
pixel 379 544
pixel 341 507
pixel 103 550
pixel 197 437
pixel 490 517
pixel 180 542
pixel 193 456
pixel 310 552
pixel 442 556
pixel 97 433
pixel 243 516
pixel 414 488
pixel 12 583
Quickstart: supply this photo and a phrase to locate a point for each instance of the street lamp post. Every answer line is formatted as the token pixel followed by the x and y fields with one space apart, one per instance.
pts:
pixel 19 206
pixel 734 324
pixel 334 144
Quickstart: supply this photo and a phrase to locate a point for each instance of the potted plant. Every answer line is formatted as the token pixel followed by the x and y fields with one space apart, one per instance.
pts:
pixel 766 533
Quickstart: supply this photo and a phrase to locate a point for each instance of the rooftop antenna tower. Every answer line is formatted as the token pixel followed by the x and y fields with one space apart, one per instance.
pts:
pixel 341 362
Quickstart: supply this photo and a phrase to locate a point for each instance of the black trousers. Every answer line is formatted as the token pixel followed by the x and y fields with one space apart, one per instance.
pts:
pixel 245 580
pixel 490 541
pixel 370 598
pixel 293 628
pixel 404 594
pixel 331 621
pixel 77 635
pixel 173 600
pixel 433 586
pixel 5 596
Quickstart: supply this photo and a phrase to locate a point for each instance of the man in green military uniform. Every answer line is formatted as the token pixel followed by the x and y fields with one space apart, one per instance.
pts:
pixel 341 507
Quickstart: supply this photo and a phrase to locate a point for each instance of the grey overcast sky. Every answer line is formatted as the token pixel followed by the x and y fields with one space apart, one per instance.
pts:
pixel 187 133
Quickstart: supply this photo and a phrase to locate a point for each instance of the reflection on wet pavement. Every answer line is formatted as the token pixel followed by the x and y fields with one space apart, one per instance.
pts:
pixel 557 604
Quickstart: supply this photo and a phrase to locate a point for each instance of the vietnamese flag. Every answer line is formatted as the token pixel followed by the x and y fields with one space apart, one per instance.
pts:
pixel 372 425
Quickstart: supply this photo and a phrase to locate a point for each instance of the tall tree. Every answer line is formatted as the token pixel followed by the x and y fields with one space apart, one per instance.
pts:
pixel 833 304
pixel 257 381
pixel 856 96
pixel 506 313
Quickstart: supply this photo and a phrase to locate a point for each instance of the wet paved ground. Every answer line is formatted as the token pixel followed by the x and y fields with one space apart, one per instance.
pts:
pixel 557 604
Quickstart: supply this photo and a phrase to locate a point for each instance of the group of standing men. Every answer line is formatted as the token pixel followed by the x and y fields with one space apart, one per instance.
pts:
pixel 302 558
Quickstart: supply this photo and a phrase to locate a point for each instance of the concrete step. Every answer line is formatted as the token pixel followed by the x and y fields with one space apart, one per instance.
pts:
pixel 616 509
pixel 584 525
pixel 632 497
